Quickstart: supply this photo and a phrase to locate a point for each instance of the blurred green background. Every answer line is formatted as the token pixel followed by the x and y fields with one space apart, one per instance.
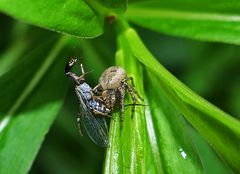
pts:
pixel 210 69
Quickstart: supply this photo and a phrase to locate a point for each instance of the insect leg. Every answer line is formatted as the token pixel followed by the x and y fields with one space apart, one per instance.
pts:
pixel 79 124
pixel 73 76
pixel 81 67
pixel 82 70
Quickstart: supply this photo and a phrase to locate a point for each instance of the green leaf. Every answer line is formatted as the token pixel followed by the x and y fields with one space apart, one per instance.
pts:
pixel 202 20
pixel 150 142
pixel 72 17
pixel 28 113
pixel 235 98
pixel 127 150
pixel 91 57
pixel 211 161
pixel 221 130
pixel 169 134
pixel 23 41
pixel 134 135
pixel 114 161
pixel 115 5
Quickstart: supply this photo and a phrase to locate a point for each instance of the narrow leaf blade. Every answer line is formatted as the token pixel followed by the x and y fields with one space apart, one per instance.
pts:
pixel 28 120
pixel 203 20
pixel 176 150
pixel 212 123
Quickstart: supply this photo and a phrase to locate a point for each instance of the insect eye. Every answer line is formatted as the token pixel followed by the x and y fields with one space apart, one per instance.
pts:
pixel 70 65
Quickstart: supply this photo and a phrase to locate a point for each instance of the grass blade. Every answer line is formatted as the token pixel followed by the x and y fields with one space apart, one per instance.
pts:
pixel 202 20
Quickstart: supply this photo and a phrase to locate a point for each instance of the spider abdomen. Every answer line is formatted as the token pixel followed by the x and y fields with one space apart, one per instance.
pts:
pixel 112 77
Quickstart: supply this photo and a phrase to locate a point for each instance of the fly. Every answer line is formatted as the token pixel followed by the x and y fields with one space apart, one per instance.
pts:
pixel 91 109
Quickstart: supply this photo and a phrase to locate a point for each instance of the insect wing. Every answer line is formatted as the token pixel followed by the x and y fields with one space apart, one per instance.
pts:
pixel 103 124
pixel 96 128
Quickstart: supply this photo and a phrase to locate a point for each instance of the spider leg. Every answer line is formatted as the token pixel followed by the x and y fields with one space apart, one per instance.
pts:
pixel 110 104
pixel 132 94
pixel 98 98
pixel 110 117
pixel 122 96
pixel 112 98
pixel 131 79
pixel 103 114
pixel 132 87
pixel 97 89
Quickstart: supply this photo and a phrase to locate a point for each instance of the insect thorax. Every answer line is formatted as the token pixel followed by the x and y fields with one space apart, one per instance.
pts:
pixel 85 92
pixel 98 107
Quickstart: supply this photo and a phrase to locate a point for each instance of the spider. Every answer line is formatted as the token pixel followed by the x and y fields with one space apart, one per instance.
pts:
pixel 112 88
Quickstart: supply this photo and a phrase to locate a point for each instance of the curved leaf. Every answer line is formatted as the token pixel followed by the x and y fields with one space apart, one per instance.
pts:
pixel 72 17
pixel 211 161
pixel 28 118
pixel 22 46
pixel 155 150
pixel 114 161
pixel 221 130
pixel 128 154
pixel 169 133
pixel 202 20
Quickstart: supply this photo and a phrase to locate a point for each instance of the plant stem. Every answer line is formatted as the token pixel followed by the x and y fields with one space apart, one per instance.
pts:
pixel 98 8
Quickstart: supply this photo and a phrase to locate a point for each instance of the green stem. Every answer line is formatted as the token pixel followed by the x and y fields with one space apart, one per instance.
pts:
pixel 98 8
pixel 121 25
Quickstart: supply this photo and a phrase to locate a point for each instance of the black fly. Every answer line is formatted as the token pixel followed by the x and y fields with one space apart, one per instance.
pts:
pixel 89 105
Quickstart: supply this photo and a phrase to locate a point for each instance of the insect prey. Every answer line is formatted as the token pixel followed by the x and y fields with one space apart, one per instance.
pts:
pixel 91 109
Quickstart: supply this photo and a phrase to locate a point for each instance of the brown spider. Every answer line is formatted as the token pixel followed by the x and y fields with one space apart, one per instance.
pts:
pixel 112 87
